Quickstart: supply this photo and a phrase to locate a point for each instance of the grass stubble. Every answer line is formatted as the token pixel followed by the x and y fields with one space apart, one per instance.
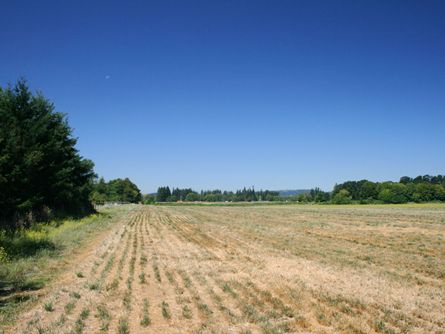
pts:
pixel 272 269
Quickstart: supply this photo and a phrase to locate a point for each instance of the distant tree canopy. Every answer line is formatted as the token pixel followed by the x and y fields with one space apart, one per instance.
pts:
pixel 315 195
pixel 245 195
pixel 40 168
pixel 342 197
pixel 118 190
pixel 419 189
pixel 163 194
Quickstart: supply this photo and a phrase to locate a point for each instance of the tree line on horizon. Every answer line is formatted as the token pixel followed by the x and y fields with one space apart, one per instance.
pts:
pixel 164 194
pixel 420 189
pixel 424 188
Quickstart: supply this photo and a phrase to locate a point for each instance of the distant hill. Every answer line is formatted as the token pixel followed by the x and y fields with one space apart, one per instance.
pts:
pixel 285 193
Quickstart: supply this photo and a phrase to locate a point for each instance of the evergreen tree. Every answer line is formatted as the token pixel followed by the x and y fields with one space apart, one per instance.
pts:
pixel 40 168
pixel 163 194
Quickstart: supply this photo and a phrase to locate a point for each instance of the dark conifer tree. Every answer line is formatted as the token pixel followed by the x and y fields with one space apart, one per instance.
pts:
pixel 40 167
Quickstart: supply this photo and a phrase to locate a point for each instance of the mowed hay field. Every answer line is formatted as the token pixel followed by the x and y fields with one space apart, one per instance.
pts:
pixel 255 269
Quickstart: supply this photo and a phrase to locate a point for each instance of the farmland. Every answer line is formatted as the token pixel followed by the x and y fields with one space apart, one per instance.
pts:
pixel 253 269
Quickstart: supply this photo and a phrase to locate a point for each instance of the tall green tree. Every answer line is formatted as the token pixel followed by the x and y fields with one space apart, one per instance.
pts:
pixel 163 194
pixel 40 167
pixel 117 190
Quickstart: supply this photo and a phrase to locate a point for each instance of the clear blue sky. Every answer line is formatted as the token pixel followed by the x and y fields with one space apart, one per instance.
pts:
pixel 206 94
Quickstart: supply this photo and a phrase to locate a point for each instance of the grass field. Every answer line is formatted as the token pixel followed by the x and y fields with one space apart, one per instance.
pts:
pixel 254 269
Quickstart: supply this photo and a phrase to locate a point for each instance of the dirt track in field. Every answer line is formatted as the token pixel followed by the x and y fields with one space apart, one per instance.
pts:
pixel 254 270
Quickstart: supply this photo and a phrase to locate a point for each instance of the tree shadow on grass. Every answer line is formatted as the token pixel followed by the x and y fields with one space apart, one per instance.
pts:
pixel 21 245
pixel 14 273
pixel 8 288
pixel 11 303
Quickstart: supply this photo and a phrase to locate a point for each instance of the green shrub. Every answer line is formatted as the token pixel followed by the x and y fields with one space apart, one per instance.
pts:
pixel 391 192
pixel 342 197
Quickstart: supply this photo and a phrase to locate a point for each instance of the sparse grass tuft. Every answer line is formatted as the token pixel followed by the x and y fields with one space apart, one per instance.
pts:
pixel 186 312
pixel 156 271
pixel 104 316
pixel 379 326
pixel 61 320
pixel 251 313
pixel 228 289
pixel 142 278
pixel 48 307
pixel 69 307
pixel 79 325
pixel 127 300
pixel 122 327
pixel 204 308
pixel 93 286
pixel 170 277
pixel 145 320
pixel 165 310
pixel 186 279
pixel 84 314
pixel 113 285
pixel 75 294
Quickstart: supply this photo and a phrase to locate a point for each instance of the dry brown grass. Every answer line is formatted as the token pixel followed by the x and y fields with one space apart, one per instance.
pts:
pixel 254 269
